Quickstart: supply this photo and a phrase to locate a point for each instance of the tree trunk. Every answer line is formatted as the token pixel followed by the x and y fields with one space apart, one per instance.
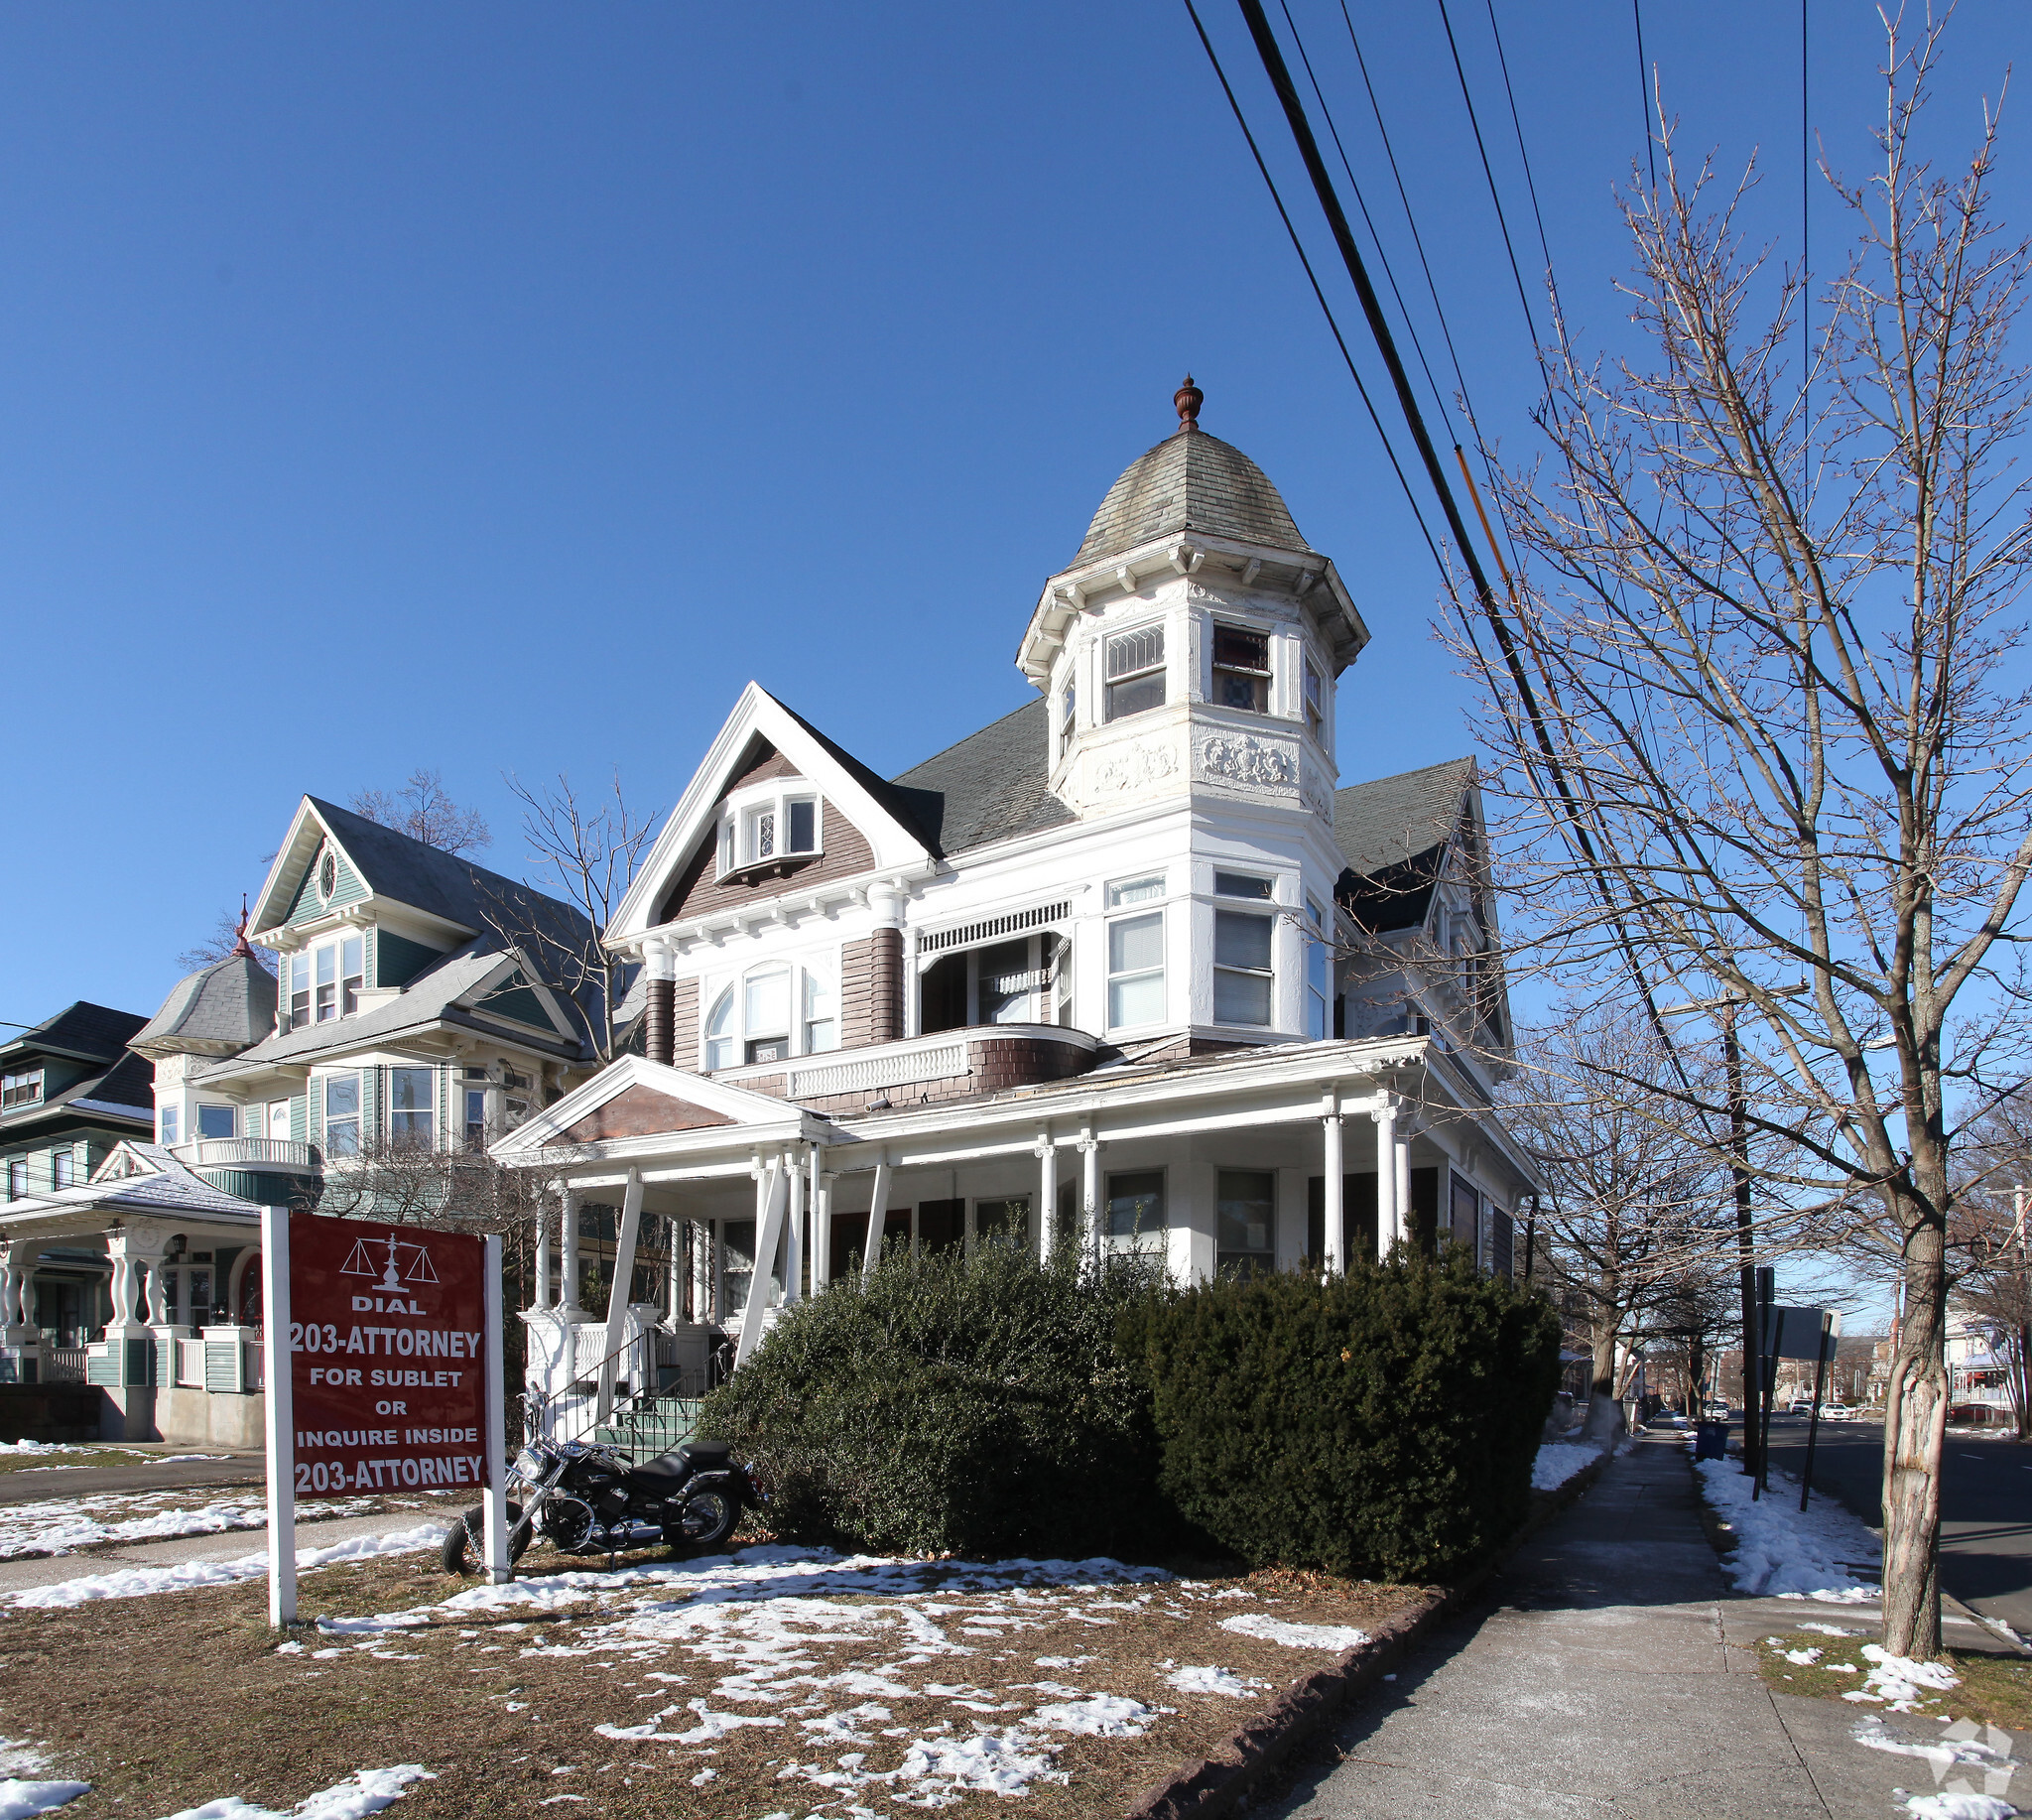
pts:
pixel 1915 1427
pixel 1605 1425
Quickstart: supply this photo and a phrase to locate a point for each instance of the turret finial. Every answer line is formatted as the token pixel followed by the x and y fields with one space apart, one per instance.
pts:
pixel 240 944
pixel 1189 398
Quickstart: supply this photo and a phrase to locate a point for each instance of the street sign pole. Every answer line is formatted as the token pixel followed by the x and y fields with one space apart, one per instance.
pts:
pixel 499 1571
pixel 1760 1411
pixel 1813 1422
pixel 280 1414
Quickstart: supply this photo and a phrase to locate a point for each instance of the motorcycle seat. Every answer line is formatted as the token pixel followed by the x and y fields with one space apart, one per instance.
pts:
pixel 706 1456
pixel 660 1476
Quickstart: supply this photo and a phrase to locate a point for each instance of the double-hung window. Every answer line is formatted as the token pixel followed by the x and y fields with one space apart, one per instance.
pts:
pixel 1245 1209
pixel 412 1107
pixel 475 1118
pixel 822 1019
pixel 1069 705
pixel 168 1119
pixel 1318 972
pixel 24 1089
pixel 341 1114
pixel 1135 956
pixel 1134 1214
pixel 1315 700
pixel 17 1177
pixel 1242 669
pixel 720 1032
pixel 1243 939
pixel 1135 672
pixel 63 1168
pixel 325 981
pixel 765 1010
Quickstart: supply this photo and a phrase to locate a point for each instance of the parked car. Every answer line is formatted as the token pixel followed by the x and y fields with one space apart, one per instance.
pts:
pixel 1800 1406
pixel 1716 1409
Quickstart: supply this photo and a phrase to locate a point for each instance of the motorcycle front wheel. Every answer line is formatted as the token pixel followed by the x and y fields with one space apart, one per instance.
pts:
pixel 705 1520
pixel 464 1550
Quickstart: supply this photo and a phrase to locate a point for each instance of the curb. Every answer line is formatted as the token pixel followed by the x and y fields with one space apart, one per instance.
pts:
pixel 1212 1786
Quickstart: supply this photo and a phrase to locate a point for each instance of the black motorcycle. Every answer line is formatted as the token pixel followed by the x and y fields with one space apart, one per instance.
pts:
pixel 585 1498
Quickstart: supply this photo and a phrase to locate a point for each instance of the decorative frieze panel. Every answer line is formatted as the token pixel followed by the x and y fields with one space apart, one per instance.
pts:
pixel 1245 760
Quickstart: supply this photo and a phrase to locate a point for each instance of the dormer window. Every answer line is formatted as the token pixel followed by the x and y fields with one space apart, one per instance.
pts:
pixel 1242 669
pixel 24 1089
pixel 1135 672
pixel 767 830
pixel 325 981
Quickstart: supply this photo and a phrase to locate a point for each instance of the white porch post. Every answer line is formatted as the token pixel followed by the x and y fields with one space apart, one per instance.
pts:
pixel 822 1221
pixel 543 1256
pixel 794 1232
pixel 1403 1136
pixel 567 1237
pixel 158 1302
pixel 772 1194
pixel 1331 1261
pixel 617 1293
pixel 1047 1195
pixel 1089 1194
pixel 1384 1113
pixel 674 1262
pixel 878 1211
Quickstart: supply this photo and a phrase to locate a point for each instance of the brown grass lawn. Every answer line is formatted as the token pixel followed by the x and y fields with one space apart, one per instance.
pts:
pixel 841 1675
pixel 1995 1689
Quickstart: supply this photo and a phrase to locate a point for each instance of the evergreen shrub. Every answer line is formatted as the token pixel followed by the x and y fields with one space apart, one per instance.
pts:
pixel 1380 1425
pixel 979 1405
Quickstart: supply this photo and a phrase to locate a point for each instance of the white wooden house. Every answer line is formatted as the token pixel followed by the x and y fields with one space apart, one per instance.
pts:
pixel 1126 970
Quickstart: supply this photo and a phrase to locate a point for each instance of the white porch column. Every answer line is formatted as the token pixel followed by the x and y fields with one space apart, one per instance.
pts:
pixel 158 1299
pixel 1384 1113
pixel 617 1293
pixel 675 1231
pixel 793 1230
pixel 541 1295
pixel 1333 1188
pixel 772 1195
pixel 14 1262
pixel 822 1221
pixel 567 1239
pixel 1089 1194
pixel 878 1211
pixel 701 1272
pixel 1403 1177
pixel 1047 1155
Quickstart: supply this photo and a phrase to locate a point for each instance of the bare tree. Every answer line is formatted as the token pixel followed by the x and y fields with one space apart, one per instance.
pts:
pixel 224 938
pixel 422 810
pixel 1636 1222
pixel 1770 754
pixel 588 856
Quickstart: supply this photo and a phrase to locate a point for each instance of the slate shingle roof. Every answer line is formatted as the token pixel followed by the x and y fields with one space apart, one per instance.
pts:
pixel 164 1186
pixel 991 786
pixel 1191 481
pixel 231 1001
pixel 1394 834
pixel 83 1029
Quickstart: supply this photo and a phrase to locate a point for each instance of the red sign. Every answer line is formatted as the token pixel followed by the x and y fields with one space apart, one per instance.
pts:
pixel 388 1356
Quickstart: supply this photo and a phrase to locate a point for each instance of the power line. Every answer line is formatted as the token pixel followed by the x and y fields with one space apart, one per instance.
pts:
pixel 1644 93
pixel 1337 219
pixel 1325 308
pixel 1552 281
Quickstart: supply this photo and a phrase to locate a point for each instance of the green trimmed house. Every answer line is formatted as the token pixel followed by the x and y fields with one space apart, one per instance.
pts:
pixel 70 1091
pixel 422 1005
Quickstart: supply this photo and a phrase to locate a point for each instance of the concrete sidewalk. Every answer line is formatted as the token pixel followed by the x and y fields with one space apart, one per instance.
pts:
pixel 1609 1673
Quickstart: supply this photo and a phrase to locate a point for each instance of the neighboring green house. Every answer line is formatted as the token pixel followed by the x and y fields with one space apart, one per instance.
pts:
pixel 71 1090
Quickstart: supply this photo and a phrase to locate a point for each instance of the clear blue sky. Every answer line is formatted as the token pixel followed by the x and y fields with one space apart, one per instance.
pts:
pixel 499 388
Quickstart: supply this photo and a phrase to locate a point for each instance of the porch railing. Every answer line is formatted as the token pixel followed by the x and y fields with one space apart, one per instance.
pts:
pixel 64 1365
pixel 218 1152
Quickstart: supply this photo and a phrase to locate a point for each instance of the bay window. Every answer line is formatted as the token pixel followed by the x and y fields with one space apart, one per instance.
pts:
pixel 1315 700
pixel 1135 672
pixel 1242 974
pixel 756 830
pixel 1318 972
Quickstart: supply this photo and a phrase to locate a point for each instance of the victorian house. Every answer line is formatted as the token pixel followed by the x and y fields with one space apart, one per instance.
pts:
pixel 422 1005
pixel 1126 971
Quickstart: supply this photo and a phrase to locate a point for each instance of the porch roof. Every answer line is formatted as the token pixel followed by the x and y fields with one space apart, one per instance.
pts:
pixel 137 1181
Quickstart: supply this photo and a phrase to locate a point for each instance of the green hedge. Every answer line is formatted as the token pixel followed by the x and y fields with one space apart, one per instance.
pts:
pixel 1380 1424
pixel 977 1407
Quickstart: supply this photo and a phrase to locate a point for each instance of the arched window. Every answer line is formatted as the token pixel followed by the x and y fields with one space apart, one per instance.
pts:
pixel 720 1034
pixel 765 1014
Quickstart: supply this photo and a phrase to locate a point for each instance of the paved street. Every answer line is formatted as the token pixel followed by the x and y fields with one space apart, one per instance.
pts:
pixel 1985 1505
pixel 31 1484
pixel 1608 1672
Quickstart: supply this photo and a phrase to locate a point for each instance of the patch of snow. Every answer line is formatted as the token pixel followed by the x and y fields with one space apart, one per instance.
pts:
pixel 141 1582
pixel 1294 1636
pixel 1212 1680
pixel 364 1793
pixel 1558 1461
pixel 20 1799
pixel 1805 1658
pixel 1830 1630
pixel 1898 1681
pixel 1784 1551
pixel 1957 1806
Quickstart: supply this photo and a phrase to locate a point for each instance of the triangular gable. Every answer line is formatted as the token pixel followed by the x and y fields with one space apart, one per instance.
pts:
pixel 128 1158
pixel 289 872
pixel 638 1098
pixel 759 719
pixel 512 991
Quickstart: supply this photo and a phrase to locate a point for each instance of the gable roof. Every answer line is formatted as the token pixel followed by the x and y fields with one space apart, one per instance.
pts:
pixel 887 818
pixel 1191 481
pixel 992 785
pixel 1394 833
pixel 88 1031
pixel 636 1090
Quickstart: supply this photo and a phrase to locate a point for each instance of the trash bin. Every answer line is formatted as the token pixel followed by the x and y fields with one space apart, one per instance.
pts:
pixel 1711 1441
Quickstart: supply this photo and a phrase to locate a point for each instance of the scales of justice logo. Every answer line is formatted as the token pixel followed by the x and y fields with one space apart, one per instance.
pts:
pixel 405 1268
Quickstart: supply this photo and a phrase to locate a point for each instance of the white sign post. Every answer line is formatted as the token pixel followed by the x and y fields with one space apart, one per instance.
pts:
pixel 276 1370
pixel 499 1572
